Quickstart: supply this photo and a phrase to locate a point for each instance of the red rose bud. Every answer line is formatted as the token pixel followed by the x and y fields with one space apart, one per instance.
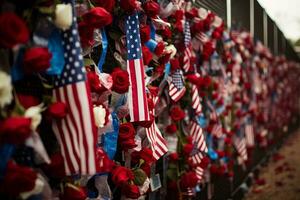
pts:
pixel 28 100
pixel 147 55
pixel 187 149
pixel 107 5
pixel 173 157
pixel 188 180
pixel 86 34
pixel 177 113
pixel 159 49
pixel 58 110
pixel 15 130
pixel 13 30
pixel 120 80
pixel 72 192
pixel 36 59
pixel 151 8
pixel 174 64
pixel 121 175
pixel 97 17
pixel 171 128
pixel 24 177
pixel 131 191
pixel 129 6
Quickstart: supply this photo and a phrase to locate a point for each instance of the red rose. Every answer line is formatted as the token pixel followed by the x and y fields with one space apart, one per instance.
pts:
pixel 23 176
pixel 86 34
pixel 213 169
pixel 171 128
pixel 108 5
pixel 159 49
pixel 97 17
pixel 174 64
pixel 188 180
pixel 36 59
pixel 164 58
pixel 58 110
pixel 94 82
pixel 145 154
pixel 71 192
pixel 126 136
pixel 145 33
pixel 146 168
pixel 128 144
pixel 193 79
pixel 173 157
pixel 129 6
pixel 121 175
pixel 28 100
pixel 151 8
pixel 189 139
pixel 147 55
pixel 166 33
pixel 15 130
pixel 187 149
pixel 56 169
pixel 120 80
pixel 178 15
pixel 105 164
pixel 177 113
pixel 204 162
pixel 131 191
pixel 191 13
pixel 208 50
pixel 13 30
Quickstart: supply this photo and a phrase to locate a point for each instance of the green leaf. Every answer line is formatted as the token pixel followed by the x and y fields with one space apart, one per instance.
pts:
pixel 139 177
pixel 89 62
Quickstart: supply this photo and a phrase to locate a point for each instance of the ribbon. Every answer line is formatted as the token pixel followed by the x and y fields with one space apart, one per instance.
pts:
pixel 151 44
pixel 167 70
pixel 57 62
pixel 152 31
pixel 110 139
pixel 211 153
pixel 104 49
pixel 6 151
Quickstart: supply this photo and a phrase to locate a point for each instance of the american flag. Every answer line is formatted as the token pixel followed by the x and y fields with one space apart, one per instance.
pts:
pixel 196 158
pixel 198 137
pixel 213 114
pixel 217 130
pixel 76 133
pixel 199 172
pixel 176 85
pixel 240 145
pixel 157 142
pixel 196 100
pixel 137 100
pixel 187 51
pixel 249 134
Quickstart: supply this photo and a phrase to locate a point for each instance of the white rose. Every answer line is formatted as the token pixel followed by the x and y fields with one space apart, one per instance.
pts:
pixel 34 113
pixel 99 114
pixel 63 16
pixel 5 89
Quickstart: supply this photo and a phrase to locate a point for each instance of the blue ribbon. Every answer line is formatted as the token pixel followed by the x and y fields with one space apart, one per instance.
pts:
pixel 16 70
pixel 211 153
pixel 220 109
pixel 167 70
pixel 104 49
pixel 152 31
pixel 6 151
pixel 201 120
pixel 151 44
pixel 110 139
pixel 55 47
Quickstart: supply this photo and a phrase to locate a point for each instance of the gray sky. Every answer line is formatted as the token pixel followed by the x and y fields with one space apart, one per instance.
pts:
pixel 286 13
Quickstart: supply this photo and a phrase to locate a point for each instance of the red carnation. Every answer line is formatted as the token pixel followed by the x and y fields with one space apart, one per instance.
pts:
pixel 171 128
pixel 13 30
pixel 36 59
pixel 151 8
pixel 121 175
pixel 147 55
pixel 177 113
pixel 15 130
pixel 58 110
pixel 120 80
pixel 97 17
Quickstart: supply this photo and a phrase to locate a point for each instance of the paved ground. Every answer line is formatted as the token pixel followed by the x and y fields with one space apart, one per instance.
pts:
pixel 280 179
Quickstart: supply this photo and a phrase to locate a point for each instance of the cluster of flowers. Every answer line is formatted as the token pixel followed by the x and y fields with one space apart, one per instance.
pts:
pixel 212 96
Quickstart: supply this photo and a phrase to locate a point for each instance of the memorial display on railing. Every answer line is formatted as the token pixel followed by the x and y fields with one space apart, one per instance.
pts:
pixel 125 99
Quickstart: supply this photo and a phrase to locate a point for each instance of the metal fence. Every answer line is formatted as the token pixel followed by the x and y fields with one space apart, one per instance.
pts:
pixel 249 15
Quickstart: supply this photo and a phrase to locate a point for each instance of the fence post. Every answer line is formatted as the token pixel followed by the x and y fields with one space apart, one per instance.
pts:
pixel 252 17
pixel 228 13
pixel 265 28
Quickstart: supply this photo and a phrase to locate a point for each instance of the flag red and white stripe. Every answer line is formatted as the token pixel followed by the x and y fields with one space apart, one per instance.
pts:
pixel 199 172
pixel 217 130
pixel 240 145
pixel 196 100
pixel 76 132
pixel 196 158
pixel 198 137
pixel 157 141
pixel 176 86
pixel 187 54
pixel 137 100
pixel 249 134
